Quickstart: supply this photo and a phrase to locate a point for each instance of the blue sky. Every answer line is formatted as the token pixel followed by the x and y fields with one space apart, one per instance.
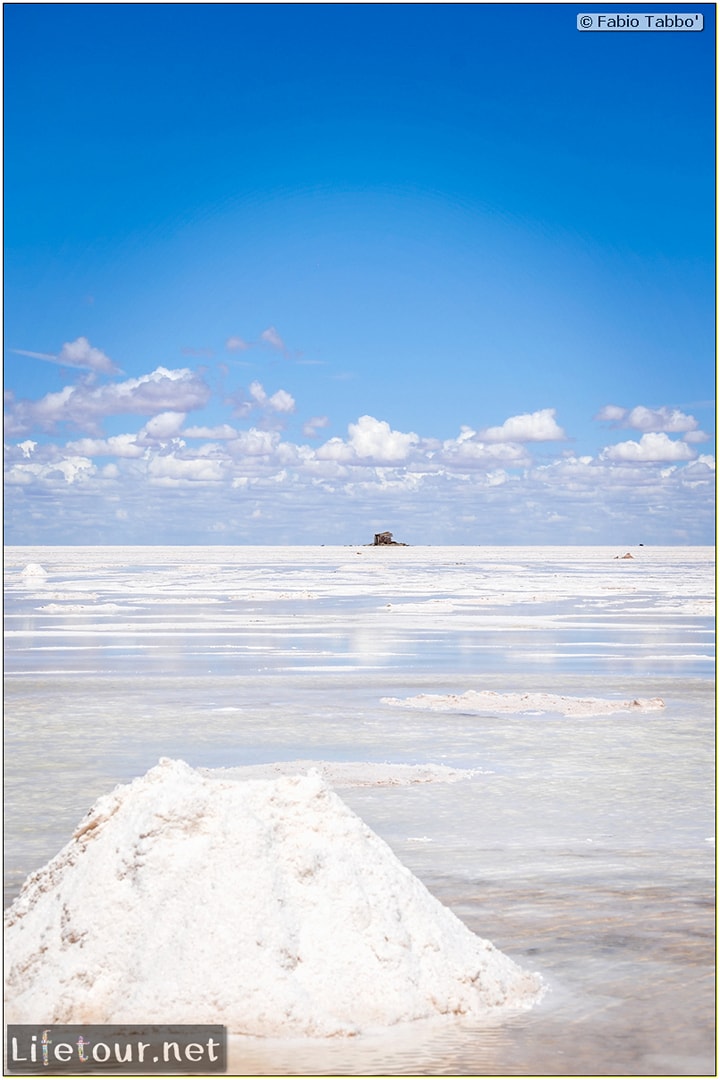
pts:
pixel 297 273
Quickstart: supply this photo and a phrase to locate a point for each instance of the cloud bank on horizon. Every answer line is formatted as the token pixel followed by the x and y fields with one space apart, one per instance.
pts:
pixel 386 300
pixel 246 470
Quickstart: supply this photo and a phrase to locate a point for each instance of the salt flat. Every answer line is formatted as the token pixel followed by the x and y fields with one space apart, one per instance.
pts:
pixel 576 844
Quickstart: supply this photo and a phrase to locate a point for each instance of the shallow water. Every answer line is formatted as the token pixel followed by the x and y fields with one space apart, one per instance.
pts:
pixel 581 847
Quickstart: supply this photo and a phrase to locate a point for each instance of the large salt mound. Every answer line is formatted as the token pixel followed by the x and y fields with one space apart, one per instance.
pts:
pixel 266 905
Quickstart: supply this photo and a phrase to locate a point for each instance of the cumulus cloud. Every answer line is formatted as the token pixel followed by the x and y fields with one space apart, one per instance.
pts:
pixel 280 401
pixel 80 354
pixel 696 436
pixel 272 338
pixel 653 446
pixel 427 481
pixel 467 451
pixel 164 426
pixel 170 468
pixel 236 344
pixel 703 462
pixel 373 470
pixel 641 418
pixel 220 431
pixel 539 426
pixel 119 446
pixel 75 468
pixel 66 469
pixel 612 413
pixel 254 443
pixel 310 429
pixel 370 440
pixel 179 390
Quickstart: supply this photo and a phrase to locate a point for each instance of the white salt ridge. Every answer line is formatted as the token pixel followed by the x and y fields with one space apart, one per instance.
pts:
pixel 488 701
pixel 266 906
pixel 349 774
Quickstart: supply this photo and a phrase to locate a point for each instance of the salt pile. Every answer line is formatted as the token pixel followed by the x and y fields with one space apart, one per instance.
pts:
pixel 266 905
pixel 34 572
pixel 487 701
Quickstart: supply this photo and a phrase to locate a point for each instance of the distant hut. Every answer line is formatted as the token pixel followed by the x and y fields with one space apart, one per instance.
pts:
pixel 385 538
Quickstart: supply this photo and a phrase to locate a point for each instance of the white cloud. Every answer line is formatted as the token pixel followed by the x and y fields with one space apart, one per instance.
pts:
pixel 280 401
pixel 120 446
pixel 335 449
pixel 221 431
pixel 611 413
pixel 641 418
pixel 370 440
pixel 179 390
pixel 75 468
pixel 68 469
pixel 272 338
pixel 468 489
pixel 80 354
pixel 36 355
pixel 22 473
pixel 236 344
pixel 310 429
pixel 164 426
pixel 570 500
pixel 539 426
pixel 173 469
pixel 257 392
pixel 253 443
pixel 653 446
pixel 468 451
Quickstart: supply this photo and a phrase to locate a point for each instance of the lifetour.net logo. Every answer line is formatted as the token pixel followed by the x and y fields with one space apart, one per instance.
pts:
pixel 72 1049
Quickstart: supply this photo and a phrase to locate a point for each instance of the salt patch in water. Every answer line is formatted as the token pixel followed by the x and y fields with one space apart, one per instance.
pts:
pixel 267 906
pixel 350 774
pixel 488 701
pixel 84 609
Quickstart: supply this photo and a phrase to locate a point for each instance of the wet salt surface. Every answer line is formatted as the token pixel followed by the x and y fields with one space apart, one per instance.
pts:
pixel 579 845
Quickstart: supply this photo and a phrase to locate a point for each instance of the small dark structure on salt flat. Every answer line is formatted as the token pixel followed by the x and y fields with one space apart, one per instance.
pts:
pixel 385 538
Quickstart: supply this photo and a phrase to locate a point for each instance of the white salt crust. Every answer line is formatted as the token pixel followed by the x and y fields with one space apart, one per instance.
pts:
pixel 488 701
pixel 350 774
pixel 266 905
